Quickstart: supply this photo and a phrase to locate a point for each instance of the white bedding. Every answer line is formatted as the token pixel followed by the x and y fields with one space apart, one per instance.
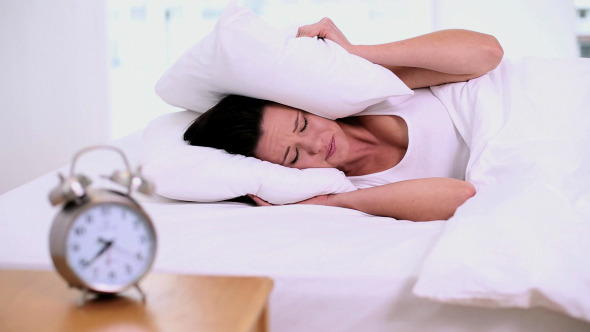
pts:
pixel 524 239
pixel 521 241
pixel 333 269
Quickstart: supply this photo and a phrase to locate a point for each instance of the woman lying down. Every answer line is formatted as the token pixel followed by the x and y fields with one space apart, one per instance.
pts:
pixel 409 164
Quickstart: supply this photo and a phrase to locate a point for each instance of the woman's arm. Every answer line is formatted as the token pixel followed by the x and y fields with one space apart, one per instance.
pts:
pixel 435 58
pixel 416 200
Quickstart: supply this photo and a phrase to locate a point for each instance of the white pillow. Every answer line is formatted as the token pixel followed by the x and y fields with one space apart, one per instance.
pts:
pixel 244 55
pixel 194 173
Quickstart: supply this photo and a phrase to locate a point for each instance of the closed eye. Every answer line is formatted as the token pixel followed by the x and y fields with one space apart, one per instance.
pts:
pixel 304 124
pixel 296 156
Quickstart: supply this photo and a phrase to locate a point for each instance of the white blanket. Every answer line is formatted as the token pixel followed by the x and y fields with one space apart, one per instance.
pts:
pixel 524 239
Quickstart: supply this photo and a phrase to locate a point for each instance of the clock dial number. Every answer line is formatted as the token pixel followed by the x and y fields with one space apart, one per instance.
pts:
pixel 80 230
pixel 110 244
pixel 106 210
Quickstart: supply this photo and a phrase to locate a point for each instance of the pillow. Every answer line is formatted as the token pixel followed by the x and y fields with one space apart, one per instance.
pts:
pixel 244 55
pixel 194 173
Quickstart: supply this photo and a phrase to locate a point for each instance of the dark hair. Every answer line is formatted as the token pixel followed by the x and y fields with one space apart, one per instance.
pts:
pixel 234 125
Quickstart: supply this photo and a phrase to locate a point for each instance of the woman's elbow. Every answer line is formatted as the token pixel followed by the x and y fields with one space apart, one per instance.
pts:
pixel 457 193
pixel 464 192
pixel 489 55
pixel 467 191
pixel 493 53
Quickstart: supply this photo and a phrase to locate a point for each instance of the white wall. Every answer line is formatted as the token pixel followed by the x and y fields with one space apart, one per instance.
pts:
pixel 543 28
pixel 138 52
pixel 53 84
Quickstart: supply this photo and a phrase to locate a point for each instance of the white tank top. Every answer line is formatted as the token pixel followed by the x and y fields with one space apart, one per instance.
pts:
pixel 435 148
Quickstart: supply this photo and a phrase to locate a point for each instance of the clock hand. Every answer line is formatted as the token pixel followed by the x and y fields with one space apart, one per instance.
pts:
pixel 107 245
pixel 122 250
pixel 103 241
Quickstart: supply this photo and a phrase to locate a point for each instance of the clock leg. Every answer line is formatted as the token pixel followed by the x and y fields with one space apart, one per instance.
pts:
pixel 83 297
pixel 141 292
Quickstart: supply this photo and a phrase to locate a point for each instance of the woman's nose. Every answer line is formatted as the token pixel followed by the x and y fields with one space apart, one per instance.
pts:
pixel 311 145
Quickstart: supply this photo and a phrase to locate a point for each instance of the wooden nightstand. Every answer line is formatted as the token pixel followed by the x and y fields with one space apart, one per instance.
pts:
pixel 41 301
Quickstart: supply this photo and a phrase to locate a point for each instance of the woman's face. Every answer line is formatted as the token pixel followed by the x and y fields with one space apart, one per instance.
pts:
pixel 295 138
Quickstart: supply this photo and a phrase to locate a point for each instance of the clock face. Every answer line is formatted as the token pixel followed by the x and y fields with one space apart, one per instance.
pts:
pixel 110 246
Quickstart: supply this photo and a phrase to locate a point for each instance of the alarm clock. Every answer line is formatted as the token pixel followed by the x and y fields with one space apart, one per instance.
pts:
pixel 102 241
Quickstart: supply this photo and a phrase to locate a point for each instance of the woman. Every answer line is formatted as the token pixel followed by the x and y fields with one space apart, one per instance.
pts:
pixel 370 149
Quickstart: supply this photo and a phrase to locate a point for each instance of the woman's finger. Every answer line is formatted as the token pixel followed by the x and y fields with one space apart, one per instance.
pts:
pixel 325 28
pixel 308 31
pixel 318 29
pixel 259 201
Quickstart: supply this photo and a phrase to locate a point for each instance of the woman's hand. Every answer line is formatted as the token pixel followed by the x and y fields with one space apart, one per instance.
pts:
pixel 318 200
pixel 259 201
pixel 325 28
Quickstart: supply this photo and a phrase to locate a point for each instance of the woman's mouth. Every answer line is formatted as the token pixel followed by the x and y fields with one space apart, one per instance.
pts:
pixel 331 148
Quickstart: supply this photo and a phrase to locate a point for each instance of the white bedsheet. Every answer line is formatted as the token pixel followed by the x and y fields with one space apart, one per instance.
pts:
pixel 524 239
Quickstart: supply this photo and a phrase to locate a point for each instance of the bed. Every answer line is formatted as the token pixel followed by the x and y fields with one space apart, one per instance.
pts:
pixel 513 258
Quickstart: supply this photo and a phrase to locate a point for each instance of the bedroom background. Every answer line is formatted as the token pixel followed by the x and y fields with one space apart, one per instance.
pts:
pixel 75 73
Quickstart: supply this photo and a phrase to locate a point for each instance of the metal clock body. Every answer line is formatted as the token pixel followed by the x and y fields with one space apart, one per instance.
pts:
pixel 104 245
pixel 102 241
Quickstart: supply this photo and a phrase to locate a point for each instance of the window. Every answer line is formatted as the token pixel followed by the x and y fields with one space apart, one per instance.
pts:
pixel 146 36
